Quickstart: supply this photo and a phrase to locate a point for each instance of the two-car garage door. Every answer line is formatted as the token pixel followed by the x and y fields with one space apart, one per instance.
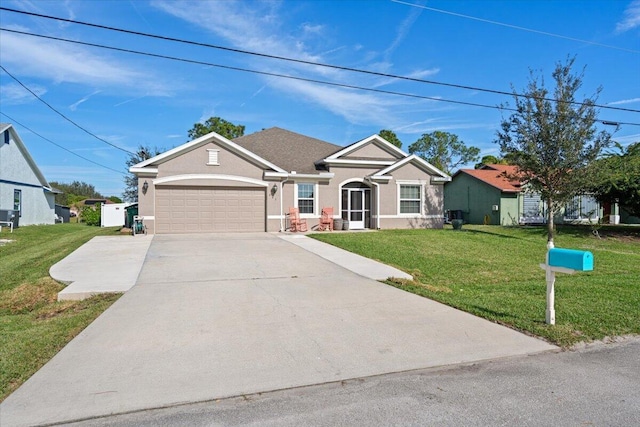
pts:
pixel 209 209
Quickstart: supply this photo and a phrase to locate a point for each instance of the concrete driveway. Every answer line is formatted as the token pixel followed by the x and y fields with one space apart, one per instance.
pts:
pixel 214 316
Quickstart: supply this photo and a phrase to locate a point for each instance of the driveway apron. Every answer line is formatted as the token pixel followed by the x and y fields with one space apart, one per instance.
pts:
pixel 220 315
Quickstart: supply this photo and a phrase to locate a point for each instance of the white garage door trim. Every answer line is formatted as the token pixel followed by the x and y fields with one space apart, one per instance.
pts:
pixel 209 209
pixel 193 176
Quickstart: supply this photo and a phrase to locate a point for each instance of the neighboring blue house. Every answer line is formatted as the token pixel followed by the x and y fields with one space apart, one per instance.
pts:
pixel 23 188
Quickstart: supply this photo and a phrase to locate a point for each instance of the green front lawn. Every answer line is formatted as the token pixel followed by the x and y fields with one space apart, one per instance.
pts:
pixel 493 272
pixel 33 325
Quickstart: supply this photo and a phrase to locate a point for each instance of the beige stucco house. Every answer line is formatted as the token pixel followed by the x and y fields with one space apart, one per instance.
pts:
pixel 213 184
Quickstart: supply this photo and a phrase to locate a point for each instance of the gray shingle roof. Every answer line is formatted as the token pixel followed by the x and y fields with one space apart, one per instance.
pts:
pixel 288 150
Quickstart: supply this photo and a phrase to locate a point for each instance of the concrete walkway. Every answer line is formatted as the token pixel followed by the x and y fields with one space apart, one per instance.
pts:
pixel 358 264
pixel 105 264
pixel 214 316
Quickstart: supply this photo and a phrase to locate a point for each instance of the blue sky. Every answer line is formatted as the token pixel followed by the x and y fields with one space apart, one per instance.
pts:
pixel 129 99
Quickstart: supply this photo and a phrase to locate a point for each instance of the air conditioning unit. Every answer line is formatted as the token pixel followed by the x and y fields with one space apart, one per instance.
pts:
pixel 494 208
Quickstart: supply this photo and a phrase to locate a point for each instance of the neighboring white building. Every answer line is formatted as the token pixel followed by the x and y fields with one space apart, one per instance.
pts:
pixel 113 214
pixel 23 188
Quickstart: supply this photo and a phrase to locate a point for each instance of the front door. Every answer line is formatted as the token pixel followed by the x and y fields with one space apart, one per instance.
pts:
pixel 356 207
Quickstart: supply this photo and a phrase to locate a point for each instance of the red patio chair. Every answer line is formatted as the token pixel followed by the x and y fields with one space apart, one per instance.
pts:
pixel 326 219
pixel 295 222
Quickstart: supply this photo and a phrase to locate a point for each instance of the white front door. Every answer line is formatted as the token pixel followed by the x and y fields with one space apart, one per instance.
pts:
pixel 356 208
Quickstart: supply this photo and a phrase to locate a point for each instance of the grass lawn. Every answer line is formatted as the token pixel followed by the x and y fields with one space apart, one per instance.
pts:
pixel 493 272
pixel 33 325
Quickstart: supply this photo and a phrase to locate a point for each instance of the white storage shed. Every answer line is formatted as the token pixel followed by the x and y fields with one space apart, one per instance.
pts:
pixel 113 214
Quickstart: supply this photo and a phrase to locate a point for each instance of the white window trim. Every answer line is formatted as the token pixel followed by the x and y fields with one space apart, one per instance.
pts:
pixel 210 152
pixel 411 215
pixel 316 188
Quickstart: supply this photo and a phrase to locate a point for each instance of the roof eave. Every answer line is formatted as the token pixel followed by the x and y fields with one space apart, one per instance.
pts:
pixel 143 171
pixel 358 162
pixel 350 148
pixel 25 152
pixel 205 139
pixel 413 158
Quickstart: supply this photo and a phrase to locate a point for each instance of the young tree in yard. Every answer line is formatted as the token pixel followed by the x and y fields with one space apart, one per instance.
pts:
pixel 444 150
pixel 552 142
pixel 616 178
pixel 218 125
pixel 130 180
pixel 391 137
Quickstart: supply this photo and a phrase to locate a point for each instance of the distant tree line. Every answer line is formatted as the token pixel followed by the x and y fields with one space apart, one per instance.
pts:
pixel 76 192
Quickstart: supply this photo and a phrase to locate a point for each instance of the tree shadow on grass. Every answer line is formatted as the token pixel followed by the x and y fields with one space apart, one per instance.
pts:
pixel 507 319
pixel 492 313
pixel 491 233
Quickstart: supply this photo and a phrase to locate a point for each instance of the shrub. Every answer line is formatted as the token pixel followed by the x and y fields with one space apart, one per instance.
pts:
pixel 91 214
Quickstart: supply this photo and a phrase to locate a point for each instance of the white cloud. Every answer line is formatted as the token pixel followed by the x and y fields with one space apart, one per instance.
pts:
pixel 92 149
pixel 129 100
pixel 441 124
pixel 64 63
pixel 631 17
pixel 624 101
pixel 74 106
pixel 67 173
pixel 312 29
pixel 355 107
pixel 421 74
pixel 256 93
pixel 256 26
pixel 251 25
pixel 627 139
pixel 13 93
pixel 402 31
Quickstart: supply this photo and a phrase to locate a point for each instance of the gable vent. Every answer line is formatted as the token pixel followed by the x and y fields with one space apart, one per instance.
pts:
pixel 213 157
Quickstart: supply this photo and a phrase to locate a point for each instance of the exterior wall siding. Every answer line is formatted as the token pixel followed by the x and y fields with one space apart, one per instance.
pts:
pixel 329 195
pixel 474 198
pixel 372 151
pixel 281 196
pixel 38 206
pixel 195 162
pixel 509 209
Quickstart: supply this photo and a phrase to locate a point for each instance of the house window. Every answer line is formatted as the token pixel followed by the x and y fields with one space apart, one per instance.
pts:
pixel 582 207
pixel 17 201
pixel 213 157
pixel 306 195
pixel 410 200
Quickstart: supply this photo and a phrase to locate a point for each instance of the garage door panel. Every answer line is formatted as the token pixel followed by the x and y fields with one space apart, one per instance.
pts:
pixel 209 209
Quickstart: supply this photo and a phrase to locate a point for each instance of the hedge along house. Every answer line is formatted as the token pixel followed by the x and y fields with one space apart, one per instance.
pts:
pixel 23 187
pixel 213 184
pixel 490 196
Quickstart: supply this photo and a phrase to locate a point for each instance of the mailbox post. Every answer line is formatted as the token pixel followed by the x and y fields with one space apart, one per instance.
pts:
pixel 562 261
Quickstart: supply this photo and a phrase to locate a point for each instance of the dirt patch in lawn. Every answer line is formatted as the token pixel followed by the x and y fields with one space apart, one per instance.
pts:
pixel 30 296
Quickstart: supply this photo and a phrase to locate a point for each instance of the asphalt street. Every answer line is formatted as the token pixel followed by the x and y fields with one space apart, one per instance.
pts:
pixel 598 385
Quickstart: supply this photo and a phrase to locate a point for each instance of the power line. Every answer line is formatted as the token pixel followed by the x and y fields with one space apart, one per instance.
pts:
pixel 247 70
pixel 301 61
pixel 62 115
pixel 285 76
pixel 516 27
pixel 58 145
